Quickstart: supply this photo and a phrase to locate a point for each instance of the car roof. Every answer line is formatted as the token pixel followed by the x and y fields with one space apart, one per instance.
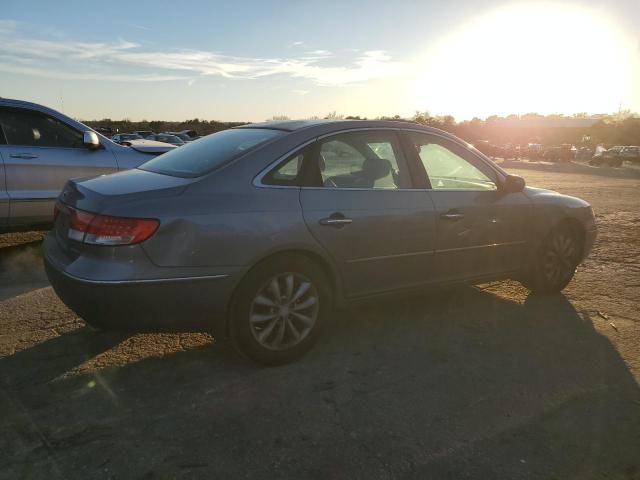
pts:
pixel 286 125
pixel 336 125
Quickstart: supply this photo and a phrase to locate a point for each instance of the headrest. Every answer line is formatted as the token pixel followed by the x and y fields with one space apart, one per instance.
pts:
pixel 376 168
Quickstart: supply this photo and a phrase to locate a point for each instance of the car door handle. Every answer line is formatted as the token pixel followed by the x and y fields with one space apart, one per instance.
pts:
pixel 452 216
pixel 26 156
pixel 335 220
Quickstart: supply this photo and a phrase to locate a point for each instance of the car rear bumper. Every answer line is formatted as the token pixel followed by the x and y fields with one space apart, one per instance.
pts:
pixel 178 304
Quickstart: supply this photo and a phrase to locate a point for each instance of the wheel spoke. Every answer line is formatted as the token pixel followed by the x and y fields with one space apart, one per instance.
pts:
pixel 275 289
pixel 304 318
pixel 263 300
pixel 262 336
pixel 302 289
pixel 262 317
pixel 293 329
pixel 280 335
pixel 289 287
pixel 304 305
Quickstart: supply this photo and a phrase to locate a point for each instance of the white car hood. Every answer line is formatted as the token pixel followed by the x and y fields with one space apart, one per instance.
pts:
pixel 150 146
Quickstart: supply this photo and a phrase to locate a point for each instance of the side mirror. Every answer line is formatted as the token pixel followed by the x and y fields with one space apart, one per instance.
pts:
pixel 90 140
pixel 513 184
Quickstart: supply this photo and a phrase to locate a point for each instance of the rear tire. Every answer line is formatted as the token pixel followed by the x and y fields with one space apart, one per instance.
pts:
pixel 555 262
pixel 279 309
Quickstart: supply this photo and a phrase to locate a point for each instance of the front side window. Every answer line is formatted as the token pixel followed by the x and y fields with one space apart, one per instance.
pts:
pixel 370 159
pixel 197 158
pixel 35 129
pixel 446 166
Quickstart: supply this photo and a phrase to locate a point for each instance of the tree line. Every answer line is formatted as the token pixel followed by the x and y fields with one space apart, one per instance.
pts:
pixel 622 128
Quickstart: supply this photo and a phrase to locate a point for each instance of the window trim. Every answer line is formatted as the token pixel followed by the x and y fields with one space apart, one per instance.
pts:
pixel 413 162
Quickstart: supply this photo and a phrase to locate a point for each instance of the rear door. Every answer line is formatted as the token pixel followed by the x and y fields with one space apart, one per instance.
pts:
pixel 40 154
pixel 359 203
pixel 482 230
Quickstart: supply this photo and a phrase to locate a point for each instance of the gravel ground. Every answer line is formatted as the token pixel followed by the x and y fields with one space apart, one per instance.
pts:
pixel 478 382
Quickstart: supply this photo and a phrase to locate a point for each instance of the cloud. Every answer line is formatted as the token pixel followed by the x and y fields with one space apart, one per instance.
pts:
pixel 122 60
pixel 8 26
pixel 139 27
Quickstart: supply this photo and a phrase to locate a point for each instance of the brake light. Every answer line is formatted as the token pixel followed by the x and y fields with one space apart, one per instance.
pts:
pixel 79 222
pixel 108 230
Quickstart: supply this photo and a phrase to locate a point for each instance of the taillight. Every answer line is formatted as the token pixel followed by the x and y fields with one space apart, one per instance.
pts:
pixel 79 222
pixel 107 230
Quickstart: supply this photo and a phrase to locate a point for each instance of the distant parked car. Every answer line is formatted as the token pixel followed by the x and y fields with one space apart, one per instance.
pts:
pixel 144 133
pixel 192 134
pixel 254 233
pixel 123 138
pixel 167 138
pixel 631 154
pixel 182 136
pixel 40 149
pixel 106 131
pixel 561 153
pixel 584 153
pixel 611 157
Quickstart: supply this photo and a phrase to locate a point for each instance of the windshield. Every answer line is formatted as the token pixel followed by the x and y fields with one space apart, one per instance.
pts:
pixel 208 153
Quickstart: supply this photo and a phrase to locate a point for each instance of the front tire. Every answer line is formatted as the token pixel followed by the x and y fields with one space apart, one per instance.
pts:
pixel 279 309
pixel 556 262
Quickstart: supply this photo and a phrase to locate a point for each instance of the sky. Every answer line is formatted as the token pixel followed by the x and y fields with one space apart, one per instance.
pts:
pixel 252 60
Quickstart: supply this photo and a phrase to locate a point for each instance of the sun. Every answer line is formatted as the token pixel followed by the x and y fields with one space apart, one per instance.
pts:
pixel 527 58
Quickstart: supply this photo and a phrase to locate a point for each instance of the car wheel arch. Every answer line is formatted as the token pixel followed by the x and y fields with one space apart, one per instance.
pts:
pixel 574 226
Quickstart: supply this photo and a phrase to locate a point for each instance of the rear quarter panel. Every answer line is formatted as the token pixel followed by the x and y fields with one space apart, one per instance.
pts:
pixel 226 227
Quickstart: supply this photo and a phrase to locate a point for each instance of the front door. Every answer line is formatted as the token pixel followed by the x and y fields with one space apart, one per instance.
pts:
pixel 482 231
pixel 40 154
pixel 359 204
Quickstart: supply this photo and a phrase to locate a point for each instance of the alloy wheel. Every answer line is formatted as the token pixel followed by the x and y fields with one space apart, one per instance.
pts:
pixel 559 258
pixel 284 311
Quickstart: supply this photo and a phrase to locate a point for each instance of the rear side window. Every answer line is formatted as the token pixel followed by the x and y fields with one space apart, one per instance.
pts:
pixel 288 173
pixel 206 154
pixel 370 159
pixel 35 129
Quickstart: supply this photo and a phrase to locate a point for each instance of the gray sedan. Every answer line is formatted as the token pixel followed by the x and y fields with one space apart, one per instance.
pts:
pixel 40 149
pixel 255 233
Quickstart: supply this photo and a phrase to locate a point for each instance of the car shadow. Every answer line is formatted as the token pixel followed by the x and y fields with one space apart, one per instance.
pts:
pixel 21 269
pixel 461 384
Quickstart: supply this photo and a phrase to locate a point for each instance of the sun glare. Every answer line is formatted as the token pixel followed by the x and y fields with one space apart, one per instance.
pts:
pixel 545 59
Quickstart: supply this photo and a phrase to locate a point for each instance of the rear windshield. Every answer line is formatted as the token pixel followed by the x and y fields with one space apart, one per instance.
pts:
pixel 199 157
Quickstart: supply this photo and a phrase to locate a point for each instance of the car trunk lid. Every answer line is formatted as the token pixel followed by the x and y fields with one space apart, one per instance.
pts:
pixel 108 193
